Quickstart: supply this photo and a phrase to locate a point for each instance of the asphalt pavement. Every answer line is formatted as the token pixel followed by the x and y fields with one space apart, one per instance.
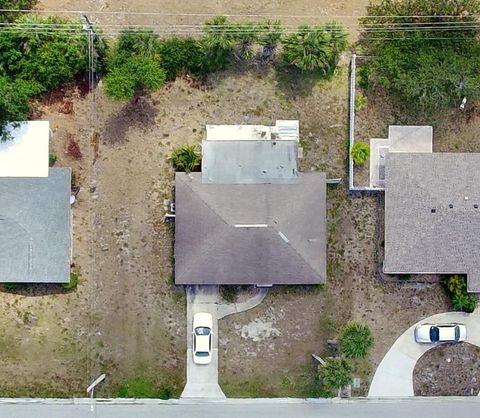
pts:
pixel 271 408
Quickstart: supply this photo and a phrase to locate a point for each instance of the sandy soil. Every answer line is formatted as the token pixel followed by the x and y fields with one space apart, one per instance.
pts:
pixel 170 12
pixel 449 370
pixel 126 319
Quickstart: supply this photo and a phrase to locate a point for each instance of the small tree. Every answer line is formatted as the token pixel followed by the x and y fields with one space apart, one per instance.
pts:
pixel 360 153
pixel 337 373
pixel 315 48
pixel 137 74
pixel 15 102
pixel 186 158
pixel 355 340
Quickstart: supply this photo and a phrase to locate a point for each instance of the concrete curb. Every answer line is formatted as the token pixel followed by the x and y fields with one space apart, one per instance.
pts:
pixel 233 308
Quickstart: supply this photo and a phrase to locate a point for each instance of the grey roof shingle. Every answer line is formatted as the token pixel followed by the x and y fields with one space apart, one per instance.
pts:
pixel 209 249
pixel 35 228
pixel 446 240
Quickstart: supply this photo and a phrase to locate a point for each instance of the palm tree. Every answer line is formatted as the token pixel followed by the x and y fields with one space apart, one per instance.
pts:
pixel 218 43
pixel 315 48
pixel 244 34
pixel 270 35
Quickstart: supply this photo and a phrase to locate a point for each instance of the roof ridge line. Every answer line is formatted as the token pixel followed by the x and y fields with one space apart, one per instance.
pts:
pixel 205 202
pixel 278 232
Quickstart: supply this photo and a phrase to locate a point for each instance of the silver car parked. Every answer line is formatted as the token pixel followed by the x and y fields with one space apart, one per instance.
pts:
pixel 440 333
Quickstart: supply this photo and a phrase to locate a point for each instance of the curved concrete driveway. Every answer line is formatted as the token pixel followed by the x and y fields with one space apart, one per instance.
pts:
pixel 394 375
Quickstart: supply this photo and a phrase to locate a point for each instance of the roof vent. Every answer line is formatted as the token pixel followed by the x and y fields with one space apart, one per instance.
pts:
pixel 433 210
pixel 450 206
pixel 475 206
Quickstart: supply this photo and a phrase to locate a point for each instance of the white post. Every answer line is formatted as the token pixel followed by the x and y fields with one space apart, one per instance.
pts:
pixel 91 389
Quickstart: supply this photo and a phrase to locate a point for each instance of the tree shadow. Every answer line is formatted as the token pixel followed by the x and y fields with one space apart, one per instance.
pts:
pixel 139 112
pixel 294 82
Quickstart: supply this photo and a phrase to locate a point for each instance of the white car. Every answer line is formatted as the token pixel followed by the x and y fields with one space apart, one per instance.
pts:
pixel 202 338
pixel 440 333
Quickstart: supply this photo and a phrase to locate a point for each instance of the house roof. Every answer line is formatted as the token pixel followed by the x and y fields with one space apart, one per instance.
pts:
pixel 432 214
pixel 26 154
pixel 249 162
pixel 250 233
pixel 35 228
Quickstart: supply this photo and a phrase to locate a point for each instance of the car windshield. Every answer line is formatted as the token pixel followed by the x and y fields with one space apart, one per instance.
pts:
pixel 434 334
pixel 201 354
pixel 202 330
pixel 457 332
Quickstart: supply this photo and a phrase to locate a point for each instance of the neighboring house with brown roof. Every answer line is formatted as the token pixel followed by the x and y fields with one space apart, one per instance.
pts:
pixel 254 219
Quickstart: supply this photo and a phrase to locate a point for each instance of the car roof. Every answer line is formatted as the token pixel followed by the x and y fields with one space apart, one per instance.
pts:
pixel 446 332
pixel 202 343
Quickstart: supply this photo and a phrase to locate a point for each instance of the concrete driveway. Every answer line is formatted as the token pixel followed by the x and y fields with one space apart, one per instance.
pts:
pixel 202 380
pixel 394 375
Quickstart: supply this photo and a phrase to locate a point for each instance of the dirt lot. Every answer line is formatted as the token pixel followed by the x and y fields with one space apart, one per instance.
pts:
pixel 125 318
pixel 449 370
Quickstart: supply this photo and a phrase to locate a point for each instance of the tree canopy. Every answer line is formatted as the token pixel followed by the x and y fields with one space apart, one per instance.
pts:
pixel 425 52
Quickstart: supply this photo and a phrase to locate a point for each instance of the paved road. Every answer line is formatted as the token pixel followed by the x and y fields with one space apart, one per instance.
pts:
pixel 412 408
pixel 394 375
pixel 202 380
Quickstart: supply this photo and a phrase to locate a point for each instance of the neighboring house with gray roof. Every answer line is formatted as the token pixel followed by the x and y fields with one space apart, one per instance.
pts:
pixel 247 226
pixel 432 214
pixel 35 227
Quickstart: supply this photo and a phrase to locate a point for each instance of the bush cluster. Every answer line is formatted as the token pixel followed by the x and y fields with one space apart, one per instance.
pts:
pixel 456 287
pixel 35 61
pixel 425 69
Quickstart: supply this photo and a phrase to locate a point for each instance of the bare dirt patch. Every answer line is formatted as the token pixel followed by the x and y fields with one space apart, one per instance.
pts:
pixel 448 370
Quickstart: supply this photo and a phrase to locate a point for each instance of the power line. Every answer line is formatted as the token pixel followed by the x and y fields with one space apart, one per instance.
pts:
pixel 288 16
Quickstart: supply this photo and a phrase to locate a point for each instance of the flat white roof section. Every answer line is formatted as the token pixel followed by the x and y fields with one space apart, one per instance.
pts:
pixel 284 130
pixel 26 154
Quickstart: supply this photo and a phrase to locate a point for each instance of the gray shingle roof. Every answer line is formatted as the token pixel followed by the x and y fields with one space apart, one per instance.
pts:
pixel 431 222
pixel 35 228
pixel 210 249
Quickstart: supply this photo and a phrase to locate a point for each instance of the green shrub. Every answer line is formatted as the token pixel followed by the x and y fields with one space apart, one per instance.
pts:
pixel 186 158
pixel 14 5
pixel 337 373
pixel 10 286
pixel 465 302
pixel 72 284
pixel 132 43
pixel 141 387
pixel 178 55
pixel 360 152
pixel 315 48
pixel 456 287
pixel 52 158
pixel 363 77
pixel 355 340
pixel 15 101
pixel 360 102
pixel 135 75
pixel 229 293
pixel 48 58
pixel 425 69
